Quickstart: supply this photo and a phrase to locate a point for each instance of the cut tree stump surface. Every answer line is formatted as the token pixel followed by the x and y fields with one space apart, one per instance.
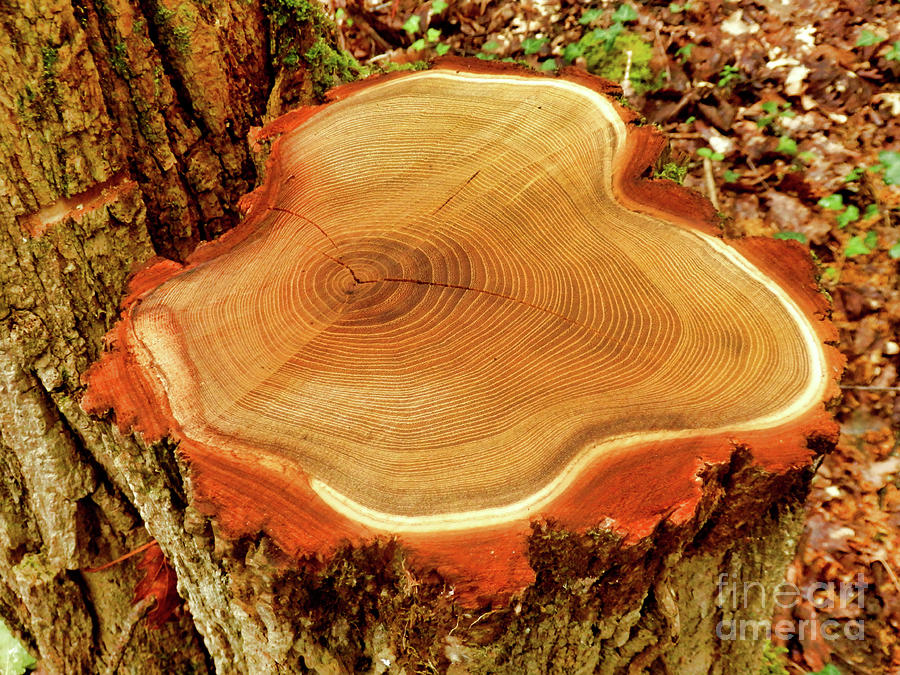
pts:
pixel 454 307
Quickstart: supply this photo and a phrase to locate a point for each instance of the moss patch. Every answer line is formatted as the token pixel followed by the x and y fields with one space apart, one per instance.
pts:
pixel 606 53
pixel 672 171
pixel 612 62
pixel 328 66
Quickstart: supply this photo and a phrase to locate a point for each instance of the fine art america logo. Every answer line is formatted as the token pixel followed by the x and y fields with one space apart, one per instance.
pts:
pixel 734 596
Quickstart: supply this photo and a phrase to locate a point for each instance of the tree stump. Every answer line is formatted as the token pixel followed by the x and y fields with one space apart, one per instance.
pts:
pixel 455 310
pixel 605 554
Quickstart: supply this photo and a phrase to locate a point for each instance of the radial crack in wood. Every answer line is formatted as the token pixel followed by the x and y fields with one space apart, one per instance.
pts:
pixel 453 307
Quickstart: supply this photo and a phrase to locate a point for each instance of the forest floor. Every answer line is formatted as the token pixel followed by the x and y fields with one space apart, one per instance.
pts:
pixel 787 116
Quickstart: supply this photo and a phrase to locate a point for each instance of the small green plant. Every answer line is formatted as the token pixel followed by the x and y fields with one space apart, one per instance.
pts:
pixel 894 251
pixel 894 53
pixel 854 175
pixel 590 15
pixel 728 76
pixel 787 146
pixel 685 51
pixel 773 660
pixel 868 39
pixel 731 176
pixel 486 50
pixel 709 153
pixel 624 14
pixel 861 244
pixel 833 202
pixel 533 45
pixel 432 35
pixel 796 236
pixel 413 24
pixel 889 162
pixel 774 111
pixel 672 171
pixel 438 6
pixel 678 8
pixel 849 215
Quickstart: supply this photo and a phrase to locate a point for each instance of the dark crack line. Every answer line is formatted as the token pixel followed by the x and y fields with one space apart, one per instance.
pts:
pixel 311 222
pixel 458 190
pixel 493 293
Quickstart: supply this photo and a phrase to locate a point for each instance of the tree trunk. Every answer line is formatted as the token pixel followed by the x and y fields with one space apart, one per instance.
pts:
pixel 124 136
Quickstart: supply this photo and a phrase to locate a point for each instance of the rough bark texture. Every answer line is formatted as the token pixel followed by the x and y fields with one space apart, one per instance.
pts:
pixel 123 135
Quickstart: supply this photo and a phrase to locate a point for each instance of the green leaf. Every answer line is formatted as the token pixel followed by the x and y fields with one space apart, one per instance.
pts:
pixel 796 236
pixel 830 273
pixel 442 49
pixel 438 6
pixel 685 52
pixel 433 34
pixel 549 64
pixel 690 119
pixel 413 24
pixel 676 8
pixel 418 45
pixel 533 45
pixel 894 251
pixel 853 175
pixel 708 153
pixel 490 46
pixel 605 35
pixel 728 75
pixel 485 57
pixel 731 176
pixel 808 156
pixel 890 160
pixel 833 202
pixel 894 54
pixel 590 16
pixel 857 245
pixel 339 14
pixel 624 13
pixel 14 660
pixel 787 146
pixel 867 38
pixel 770 107
pixel 572 51
pixel 848 216
pixel 871 211
pixel 827 669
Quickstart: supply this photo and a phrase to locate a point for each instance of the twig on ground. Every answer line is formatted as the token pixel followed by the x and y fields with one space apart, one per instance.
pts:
pixel 710 183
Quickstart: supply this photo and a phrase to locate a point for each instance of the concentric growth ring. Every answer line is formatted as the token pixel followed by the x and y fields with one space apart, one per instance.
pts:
pixel 443 307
